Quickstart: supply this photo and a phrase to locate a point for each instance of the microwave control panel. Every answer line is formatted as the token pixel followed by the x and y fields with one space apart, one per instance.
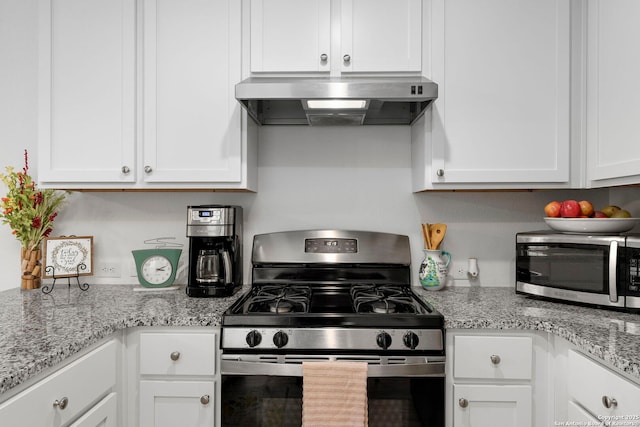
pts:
pixel 633 260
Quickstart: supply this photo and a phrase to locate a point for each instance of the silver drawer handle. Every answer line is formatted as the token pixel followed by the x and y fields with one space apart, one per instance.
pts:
pixel 175 355
pixel 61 404
pixel 204 399
pixel 125 170
pixel 324 57
pixel 495 359
pixel 463 402
pixel 440 172
pixel 346 58
pixel 148 169
pixel 609 402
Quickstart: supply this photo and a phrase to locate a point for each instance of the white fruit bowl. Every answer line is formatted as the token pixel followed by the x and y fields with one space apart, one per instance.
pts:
pixel 591 225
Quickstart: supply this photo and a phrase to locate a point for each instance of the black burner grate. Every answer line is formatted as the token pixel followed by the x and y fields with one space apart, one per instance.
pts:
pixel 383 299
pixel 279 299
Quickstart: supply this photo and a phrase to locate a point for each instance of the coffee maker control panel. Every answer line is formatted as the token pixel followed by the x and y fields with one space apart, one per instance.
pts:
pixel 211 216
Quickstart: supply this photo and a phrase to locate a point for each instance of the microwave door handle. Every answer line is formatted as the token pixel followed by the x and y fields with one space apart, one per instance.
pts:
pixel 613 271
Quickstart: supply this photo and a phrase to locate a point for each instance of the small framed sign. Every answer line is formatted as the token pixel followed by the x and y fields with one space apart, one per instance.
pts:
pixel 68 256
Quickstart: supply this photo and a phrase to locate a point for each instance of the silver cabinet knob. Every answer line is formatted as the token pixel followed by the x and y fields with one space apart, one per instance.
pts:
pixel 324 57
pixel 346 58
pixel 175 355
pixel 125 170
pixel 148 169
pixel 609 402
pixel 495 359
pixel 61 404
pixel 440 172
pixel 463 402
pixel 205 399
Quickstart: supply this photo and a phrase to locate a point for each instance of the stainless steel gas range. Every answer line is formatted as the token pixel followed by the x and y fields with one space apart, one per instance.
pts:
pixel 332 295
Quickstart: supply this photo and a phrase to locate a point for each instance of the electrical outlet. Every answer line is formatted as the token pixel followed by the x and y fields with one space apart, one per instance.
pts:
pixel 107 269
pixel 459 271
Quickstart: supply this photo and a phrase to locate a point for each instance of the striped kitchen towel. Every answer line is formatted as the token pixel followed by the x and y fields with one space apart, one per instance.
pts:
pixel 334 394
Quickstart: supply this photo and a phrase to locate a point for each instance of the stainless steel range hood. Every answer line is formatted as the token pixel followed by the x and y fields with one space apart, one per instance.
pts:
pixel 336 101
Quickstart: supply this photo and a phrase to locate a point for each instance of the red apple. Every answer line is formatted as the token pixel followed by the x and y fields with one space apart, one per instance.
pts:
pixel 599 214
pixel 552 210
pixel 586 208
pixel 570 209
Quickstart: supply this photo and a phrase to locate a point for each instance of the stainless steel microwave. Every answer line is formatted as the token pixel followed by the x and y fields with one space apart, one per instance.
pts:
pixel 598 270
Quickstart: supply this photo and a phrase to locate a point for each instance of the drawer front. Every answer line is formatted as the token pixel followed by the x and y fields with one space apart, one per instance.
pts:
pixel 177 353
pixel 482 357
pixel 82 382
pixel 590 384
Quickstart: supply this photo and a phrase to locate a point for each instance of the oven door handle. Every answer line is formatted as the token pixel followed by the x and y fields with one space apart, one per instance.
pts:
pixel 235 367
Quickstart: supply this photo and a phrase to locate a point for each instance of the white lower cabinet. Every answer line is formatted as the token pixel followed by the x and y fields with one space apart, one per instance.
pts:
pixel 492 405
pixel 174 373
pixel 600 393
pixel 496 378
pixel 177 403
pixel 82 393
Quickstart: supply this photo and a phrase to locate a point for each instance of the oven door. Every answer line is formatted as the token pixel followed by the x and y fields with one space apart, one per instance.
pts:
pixel 266 391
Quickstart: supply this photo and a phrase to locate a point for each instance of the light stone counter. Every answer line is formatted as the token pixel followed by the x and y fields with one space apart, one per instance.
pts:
pixel 608 335
pixel 39 331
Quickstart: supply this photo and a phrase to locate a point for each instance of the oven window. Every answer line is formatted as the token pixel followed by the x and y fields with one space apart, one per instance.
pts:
pixel 267 401
pixel 574 267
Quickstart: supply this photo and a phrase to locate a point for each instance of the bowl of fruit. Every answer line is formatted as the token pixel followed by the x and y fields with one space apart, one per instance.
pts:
pixel 572 216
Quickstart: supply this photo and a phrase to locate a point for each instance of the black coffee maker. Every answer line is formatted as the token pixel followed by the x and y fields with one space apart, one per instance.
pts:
pixel 215 250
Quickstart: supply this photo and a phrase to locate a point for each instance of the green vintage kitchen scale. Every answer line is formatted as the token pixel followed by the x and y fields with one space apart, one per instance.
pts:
pixel 157 267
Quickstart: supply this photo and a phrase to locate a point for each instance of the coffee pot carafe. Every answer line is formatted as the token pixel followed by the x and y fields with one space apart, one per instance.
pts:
pixel 215 250
pixel 213 267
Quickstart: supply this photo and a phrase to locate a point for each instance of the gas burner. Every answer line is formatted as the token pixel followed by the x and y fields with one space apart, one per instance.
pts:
pixel 280 306
pixel 383 307
pixel 279 299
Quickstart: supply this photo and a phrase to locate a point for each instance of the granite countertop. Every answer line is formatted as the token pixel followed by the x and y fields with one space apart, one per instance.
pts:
pixel 608 335
pixel 38 331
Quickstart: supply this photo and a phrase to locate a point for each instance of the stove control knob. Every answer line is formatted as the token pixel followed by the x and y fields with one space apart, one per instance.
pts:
pixel 280 339
pixel 384 340
pixel 411 340
pixel 253 338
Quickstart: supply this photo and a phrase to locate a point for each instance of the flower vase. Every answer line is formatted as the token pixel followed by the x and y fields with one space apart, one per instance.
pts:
pixel 31 268
pixel 433 269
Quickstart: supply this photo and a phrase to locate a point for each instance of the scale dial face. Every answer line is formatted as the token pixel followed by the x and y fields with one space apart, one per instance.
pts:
pixel 156 269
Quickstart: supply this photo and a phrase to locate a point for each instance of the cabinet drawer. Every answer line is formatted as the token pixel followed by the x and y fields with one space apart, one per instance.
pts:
pixel 589 383
pixel 82 382
pixel 482 357
pixel 177 354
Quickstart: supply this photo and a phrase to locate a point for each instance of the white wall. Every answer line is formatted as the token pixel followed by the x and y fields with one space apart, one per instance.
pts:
pixel 353 178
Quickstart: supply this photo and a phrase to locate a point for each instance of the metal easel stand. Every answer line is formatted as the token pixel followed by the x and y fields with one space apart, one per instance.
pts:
pixel 51 271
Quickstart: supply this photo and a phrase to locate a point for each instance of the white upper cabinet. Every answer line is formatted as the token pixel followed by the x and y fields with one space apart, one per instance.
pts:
pixel 86 91
pixel 381 36
pixel 355 36
pixel 502 117
pixel 290 35
pixel 140 95
pixel 192 121
pixel 612 101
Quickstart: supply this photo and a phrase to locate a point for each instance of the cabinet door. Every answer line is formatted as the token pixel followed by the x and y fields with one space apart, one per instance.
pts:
pixel 177 403
pixel 613 105
pixel 103 414
pixel 492 405
pixel 290 35
pixel 192 122
pixel 86 88
pixel 503 111
pixel 381 36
